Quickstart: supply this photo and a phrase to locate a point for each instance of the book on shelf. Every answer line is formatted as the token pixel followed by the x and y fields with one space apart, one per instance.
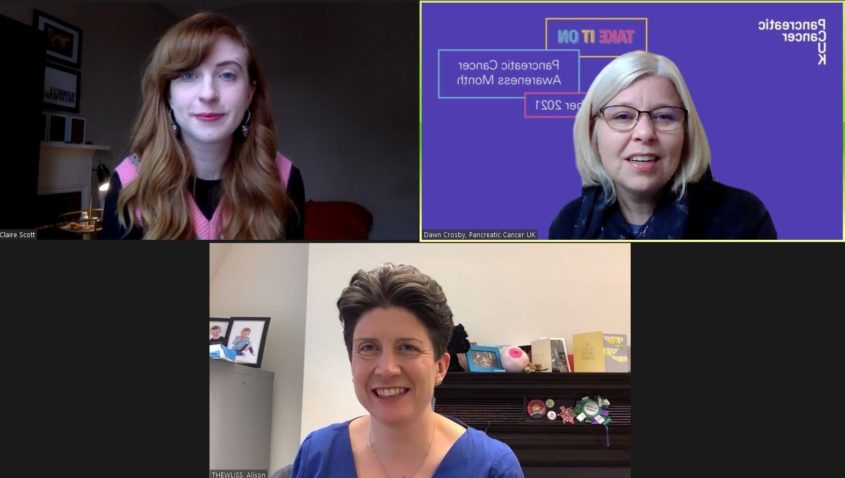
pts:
pixel 601 352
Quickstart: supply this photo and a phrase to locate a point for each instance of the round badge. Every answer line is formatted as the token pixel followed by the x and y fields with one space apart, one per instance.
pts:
pixel 550 403
pixel 551 415
pixel 593 411
pixel 536 409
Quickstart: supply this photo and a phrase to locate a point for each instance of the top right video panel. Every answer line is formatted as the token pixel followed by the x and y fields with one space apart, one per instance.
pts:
pixel 652 121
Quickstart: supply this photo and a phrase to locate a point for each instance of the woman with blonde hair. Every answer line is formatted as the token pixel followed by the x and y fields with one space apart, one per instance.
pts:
pixel 204 163
pixel 644 162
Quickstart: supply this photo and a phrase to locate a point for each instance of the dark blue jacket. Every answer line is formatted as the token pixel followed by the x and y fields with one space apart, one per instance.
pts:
pixel 708 210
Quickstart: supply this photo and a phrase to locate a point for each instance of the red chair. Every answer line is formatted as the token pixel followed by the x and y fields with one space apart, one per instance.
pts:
pixel 337 220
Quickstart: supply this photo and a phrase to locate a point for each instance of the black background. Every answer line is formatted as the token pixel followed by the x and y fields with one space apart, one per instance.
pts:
pixel 736 359
pixel 102 372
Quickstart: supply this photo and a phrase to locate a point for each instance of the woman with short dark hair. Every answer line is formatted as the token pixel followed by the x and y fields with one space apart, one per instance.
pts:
pixel 396 325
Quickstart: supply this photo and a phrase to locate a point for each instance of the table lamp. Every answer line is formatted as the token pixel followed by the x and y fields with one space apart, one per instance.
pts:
pixel 103 176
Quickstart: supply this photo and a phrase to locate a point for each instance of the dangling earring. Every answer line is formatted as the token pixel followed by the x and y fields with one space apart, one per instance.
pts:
pixel 173 126
pixel 245 125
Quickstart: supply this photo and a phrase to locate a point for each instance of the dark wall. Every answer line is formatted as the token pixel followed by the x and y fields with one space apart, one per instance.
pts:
pixel 22 50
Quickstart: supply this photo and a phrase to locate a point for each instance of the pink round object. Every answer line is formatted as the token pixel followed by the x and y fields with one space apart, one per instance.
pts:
pixel 514 359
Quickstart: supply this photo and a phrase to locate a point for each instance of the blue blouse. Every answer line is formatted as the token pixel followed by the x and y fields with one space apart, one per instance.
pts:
pixel 327 452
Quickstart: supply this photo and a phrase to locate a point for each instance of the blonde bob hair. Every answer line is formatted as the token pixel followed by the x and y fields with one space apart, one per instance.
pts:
pixel 252 196
pixel 615 77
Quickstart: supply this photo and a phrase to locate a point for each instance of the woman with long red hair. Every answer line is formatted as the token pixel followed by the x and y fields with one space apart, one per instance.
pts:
pixel 204 163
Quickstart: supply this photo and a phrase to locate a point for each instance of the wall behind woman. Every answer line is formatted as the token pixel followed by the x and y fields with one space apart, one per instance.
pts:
pixel 343 83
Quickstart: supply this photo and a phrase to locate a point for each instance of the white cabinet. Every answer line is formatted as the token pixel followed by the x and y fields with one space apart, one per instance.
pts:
pixel 241 407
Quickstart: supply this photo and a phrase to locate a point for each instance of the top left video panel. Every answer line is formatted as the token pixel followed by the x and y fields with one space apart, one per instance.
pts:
pixel 275 121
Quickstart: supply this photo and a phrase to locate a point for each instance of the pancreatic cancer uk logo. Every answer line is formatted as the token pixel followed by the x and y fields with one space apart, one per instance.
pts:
pixel 803 31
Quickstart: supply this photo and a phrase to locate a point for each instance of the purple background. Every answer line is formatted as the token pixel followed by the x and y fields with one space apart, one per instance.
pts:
pixel 773 117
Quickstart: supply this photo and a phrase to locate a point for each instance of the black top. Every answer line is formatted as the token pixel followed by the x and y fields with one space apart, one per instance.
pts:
pixel 708 210
pixel 207 197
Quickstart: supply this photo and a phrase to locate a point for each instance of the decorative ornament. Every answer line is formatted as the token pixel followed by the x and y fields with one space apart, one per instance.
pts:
pixel 593 411
pixel 457 348
pixel 536 409
pixel 567 415
pixel 514 359
pixel 533 367
pixel 246 124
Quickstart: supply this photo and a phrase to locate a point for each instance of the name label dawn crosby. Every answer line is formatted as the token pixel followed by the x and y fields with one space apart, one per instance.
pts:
pixel 479 235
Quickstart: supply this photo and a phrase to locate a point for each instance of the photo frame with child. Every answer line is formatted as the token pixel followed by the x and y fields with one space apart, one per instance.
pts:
pixel 484 359
pixel 218 330
pixel 247 338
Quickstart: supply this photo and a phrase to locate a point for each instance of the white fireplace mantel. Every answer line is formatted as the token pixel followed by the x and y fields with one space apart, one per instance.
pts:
pixel 65 167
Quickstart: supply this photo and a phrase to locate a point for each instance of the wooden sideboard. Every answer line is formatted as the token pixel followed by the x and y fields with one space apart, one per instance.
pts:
pixel 496 403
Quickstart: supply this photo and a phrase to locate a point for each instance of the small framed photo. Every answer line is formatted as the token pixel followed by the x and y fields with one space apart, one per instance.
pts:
pixel 56 127
pixel 218 331
pixel 61 88
pixel 76 130
pixel 484 359
pixel 247 338
pixel 64 41
pixel 560 360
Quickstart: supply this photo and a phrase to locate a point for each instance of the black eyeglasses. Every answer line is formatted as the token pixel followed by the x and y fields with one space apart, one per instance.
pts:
pixel 625 118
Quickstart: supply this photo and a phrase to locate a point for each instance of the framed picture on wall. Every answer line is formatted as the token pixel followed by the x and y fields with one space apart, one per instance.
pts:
pixel 247 338
pixel 484 359
pixel 63 40
pixel 218 331
pixel 61 88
